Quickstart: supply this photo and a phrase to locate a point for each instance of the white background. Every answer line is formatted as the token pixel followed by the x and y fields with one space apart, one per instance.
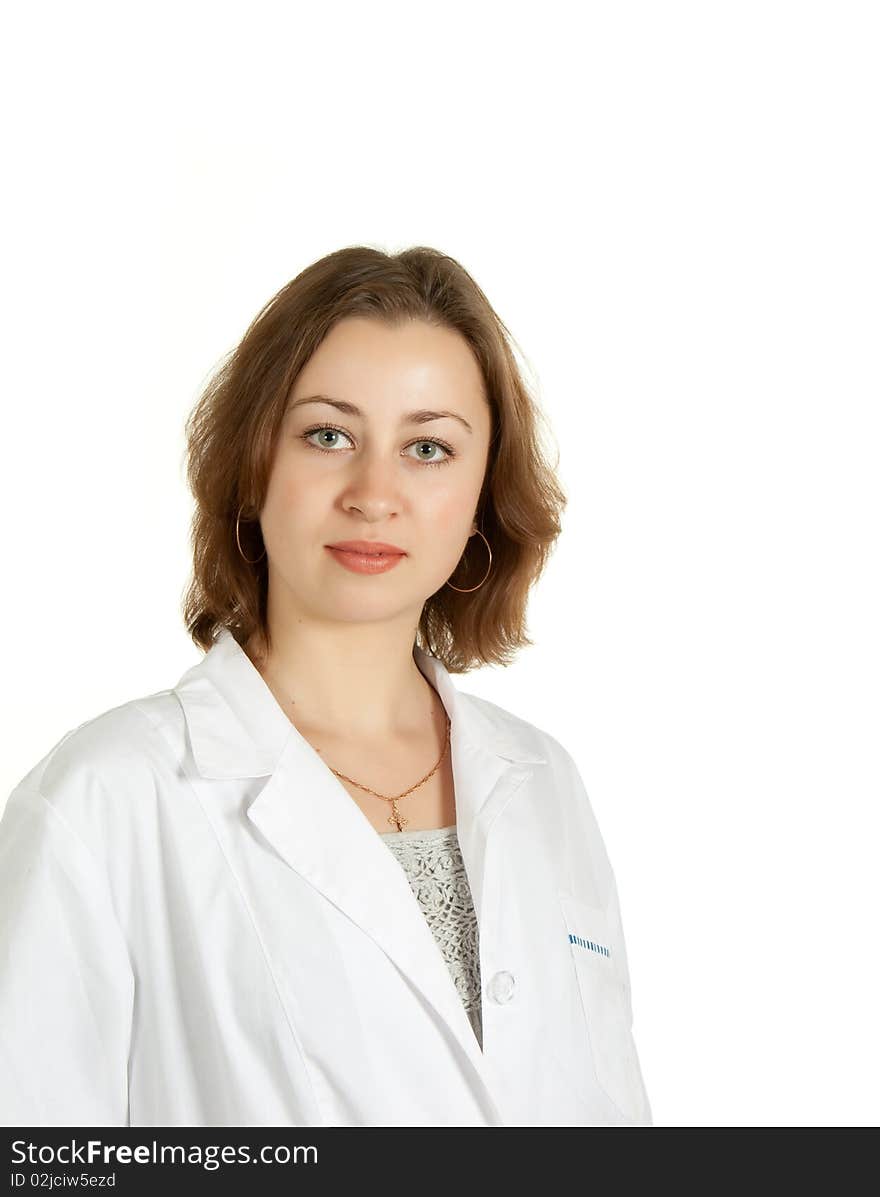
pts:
pixel 673 206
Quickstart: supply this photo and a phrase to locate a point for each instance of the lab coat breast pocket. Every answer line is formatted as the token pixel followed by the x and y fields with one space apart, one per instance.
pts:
pixel 593 958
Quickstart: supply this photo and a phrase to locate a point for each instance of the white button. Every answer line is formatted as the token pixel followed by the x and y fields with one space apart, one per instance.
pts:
pixel 501 987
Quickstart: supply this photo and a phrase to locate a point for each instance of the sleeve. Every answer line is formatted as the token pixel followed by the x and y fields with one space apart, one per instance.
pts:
pixel 66 982
pixel 602 867
pixel 646 1117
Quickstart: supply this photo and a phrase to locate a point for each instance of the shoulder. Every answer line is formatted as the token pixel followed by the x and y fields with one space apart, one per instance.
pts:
pixel 556 779
pixel 530 738
pixel 112 756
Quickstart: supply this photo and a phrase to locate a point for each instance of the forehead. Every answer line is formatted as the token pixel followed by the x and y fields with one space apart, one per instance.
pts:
pixel 383 368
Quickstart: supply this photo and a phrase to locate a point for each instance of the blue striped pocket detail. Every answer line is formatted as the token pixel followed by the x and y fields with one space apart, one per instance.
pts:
pixel 601 949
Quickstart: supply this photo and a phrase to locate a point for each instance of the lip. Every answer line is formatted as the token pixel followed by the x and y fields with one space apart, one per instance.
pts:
pixel 367 548
pixel 365 563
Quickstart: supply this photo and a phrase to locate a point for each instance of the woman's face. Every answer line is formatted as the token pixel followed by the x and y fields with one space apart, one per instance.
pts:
pixel 378 473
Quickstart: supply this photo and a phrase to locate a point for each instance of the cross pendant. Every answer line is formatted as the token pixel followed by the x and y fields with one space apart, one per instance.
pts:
pixel 396 817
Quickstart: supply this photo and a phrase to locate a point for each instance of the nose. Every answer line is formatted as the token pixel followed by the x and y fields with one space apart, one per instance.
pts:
pixel 373 487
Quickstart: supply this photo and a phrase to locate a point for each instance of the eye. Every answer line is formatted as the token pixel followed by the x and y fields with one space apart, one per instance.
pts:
pixel 432 444
pixel 445 449
pixel 323 428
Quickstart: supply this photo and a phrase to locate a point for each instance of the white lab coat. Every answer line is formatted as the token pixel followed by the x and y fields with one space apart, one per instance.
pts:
pixel 199 927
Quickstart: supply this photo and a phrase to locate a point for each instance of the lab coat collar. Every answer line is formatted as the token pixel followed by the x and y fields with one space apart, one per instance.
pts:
pixel 237 729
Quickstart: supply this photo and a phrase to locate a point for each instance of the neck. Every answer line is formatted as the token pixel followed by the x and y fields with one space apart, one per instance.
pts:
pixel 347 684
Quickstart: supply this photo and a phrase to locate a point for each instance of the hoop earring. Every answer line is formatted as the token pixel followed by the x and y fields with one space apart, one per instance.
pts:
pixel 238 542
pixel 468 589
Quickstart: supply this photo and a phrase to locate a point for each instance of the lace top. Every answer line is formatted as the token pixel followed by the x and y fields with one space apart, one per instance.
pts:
pixel 435 870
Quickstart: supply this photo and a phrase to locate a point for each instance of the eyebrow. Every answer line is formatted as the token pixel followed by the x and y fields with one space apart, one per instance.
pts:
pixel 422 416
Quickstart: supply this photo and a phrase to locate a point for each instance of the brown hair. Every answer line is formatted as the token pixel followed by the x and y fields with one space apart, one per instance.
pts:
pixel 232 430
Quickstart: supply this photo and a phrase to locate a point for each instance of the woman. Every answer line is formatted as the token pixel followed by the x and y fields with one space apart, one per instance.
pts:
pixel 315 883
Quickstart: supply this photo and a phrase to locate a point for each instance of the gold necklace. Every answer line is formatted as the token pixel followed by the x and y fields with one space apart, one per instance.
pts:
pixel 395 817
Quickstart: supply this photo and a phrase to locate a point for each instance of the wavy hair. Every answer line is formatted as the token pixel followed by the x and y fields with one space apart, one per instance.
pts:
pixel 232 431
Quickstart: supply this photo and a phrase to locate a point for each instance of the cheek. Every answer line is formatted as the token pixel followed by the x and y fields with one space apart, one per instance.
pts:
pixel 290 504
pixel 450 509
pixel 453 502
pixel 290 485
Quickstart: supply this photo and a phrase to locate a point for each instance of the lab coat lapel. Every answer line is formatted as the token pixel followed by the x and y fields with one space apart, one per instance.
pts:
pixel 237 729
